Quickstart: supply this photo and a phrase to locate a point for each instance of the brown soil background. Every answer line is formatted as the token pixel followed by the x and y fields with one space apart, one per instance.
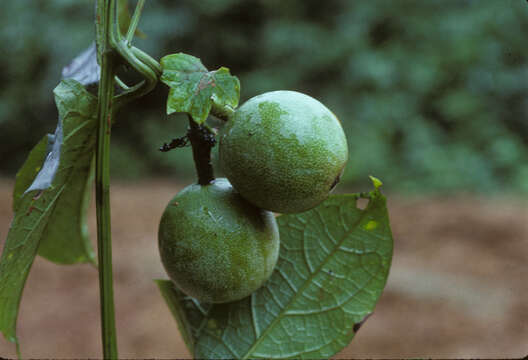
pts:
pixel 457 288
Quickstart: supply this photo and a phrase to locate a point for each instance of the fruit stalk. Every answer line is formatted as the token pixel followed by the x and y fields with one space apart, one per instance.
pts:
pixel 105 10
pixel 202 141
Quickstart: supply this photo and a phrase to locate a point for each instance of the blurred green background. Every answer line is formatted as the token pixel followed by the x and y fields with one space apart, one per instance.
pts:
pixel 432 94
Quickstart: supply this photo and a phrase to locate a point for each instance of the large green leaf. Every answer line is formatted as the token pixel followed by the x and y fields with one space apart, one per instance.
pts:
pixel 195 90
pixel 187 311
pixel 49 214
pixel 333 265
pixel 66 239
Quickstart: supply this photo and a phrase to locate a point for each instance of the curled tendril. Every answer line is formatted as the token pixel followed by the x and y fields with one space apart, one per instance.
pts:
pixel 137 59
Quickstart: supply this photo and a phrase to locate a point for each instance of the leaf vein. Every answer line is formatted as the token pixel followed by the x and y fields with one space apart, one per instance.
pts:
pixel 305 285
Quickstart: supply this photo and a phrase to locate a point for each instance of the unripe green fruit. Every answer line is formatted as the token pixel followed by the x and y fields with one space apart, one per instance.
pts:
pixel 214 245
pixel 283 151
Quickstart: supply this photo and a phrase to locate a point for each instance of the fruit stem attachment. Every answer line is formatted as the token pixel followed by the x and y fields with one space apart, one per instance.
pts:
pixel 223 112
pixel 202 141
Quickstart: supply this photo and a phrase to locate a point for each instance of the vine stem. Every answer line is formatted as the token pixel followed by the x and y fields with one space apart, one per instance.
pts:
pixel 105 19
pixel 134 21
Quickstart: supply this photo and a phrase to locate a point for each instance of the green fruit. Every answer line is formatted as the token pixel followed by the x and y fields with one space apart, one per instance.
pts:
pixel 283 151
pixel 214 245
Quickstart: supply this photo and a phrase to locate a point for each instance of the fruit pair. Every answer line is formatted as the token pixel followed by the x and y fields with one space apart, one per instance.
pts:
pixel 282 151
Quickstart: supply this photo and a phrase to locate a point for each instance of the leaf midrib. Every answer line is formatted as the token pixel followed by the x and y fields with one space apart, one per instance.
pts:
pixel 302 288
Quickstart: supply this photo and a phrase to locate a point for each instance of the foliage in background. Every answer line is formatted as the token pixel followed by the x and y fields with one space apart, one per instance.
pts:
pixel 431 94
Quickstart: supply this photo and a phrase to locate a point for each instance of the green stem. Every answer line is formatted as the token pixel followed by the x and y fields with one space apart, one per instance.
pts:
pixel 105 12
pixel 147 60
pixel 134 21
pixel 151 74
pixel 120 83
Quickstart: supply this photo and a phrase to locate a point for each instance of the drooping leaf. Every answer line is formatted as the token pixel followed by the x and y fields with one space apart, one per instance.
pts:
pixel 66 239
pixel 84 68
pixel 49 168
pixel 52 214
pixel 195 90
pixel 333 265
pixel 30 169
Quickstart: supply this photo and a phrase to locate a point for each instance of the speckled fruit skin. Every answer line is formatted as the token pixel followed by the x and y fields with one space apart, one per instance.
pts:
pixel 214 245
pixel 283 151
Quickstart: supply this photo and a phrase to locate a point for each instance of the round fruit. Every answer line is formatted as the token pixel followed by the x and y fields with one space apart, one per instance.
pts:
pixel 214 245
pixel 283 151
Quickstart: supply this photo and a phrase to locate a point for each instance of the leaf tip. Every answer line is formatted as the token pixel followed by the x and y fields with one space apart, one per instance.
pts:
pixel 11 337
pixel 358 325
pixel 375 181
pixel 18 351
pixel 161 282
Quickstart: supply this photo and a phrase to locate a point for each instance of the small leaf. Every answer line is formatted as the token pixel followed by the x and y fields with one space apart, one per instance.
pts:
pixel 333 265
pixel 194 89
pixel 84 68
pixel 375 181
pixel 52 214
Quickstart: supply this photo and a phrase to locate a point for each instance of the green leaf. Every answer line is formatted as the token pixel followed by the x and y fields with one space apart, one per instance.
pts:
pixel 30 169
pixel 52 208
pixel 375 181
pixel 333 265
pixel 195 90
pixel 66 239
pixel 187 311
